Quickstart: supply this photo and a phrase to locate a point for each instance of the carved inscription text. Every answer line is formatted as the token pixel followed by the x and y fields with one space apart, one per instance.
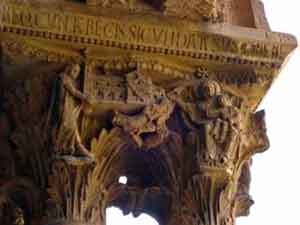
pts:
pixel 91 29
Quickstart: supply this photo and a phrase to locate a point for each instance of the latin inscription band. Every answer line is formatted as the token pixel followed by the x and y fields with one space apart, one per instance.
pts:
pixel 99 28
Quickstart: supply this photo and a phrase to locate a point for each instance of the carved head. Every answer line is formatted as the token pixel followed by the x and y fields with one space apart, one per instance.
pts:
pixel 73 70
pixel 208 89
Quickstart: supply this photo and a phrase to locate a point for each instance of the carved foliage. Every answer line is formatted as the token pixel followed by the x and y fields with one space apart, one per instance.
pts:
pixel 80 190
pixel 199 138
pixel 222 136
pixel 24 140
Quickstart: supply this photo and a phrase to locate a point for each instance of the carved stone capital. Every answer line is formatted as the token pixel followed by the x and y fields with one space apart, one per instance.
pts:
pixel 162 92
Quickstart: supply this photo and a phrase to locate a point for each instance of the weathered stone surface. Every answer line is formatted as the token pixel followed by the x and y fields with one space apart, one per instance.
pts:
pixel 162 92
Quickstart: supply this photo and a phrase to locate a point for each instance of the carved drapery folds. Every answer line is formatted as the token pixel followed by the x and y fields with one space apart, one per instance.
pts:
pixel 186 143
pixel 129 113
pixel 196 135
pixel 221 137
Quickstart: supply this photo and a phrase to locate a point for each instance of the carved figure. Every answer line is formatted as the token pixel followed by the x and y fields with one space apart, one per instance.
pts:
pixel 68 139
pixel 196 99
pixel 208 109
pixel 151 121
pixel 195 167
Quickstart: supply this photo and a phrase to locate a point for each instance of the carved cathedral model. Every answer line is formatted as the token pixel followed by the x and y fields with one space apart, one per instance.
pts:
pixel 164 92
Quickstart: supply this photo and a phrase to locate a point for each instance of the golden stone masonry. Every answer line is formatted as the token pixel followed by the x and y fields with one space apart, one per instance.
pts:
pixel 164 92
pixel 75 27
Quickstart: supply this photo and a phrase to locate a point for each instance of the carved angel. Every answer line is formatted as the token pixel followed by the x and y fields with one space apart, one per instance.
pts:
pixel 68 139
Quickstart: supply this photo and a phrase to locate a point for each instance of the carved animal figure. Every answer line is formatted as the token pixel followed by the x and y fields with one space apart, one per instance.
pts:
pixel 152 119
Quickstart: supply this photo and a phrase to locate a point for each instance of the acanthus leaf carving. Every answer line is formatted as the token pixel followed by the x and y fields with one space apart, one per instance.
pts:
pixel 223 135
pixel 198 132
pixel 220 137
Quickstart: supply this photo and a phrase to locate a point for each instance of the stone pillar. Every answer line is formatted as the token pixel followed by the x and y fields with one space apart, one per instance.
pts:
pixel 162 92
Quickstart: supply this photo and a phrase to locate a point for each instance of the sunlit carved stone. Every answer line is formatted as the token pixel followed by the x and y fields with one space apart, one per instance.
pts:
pixel 164 93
